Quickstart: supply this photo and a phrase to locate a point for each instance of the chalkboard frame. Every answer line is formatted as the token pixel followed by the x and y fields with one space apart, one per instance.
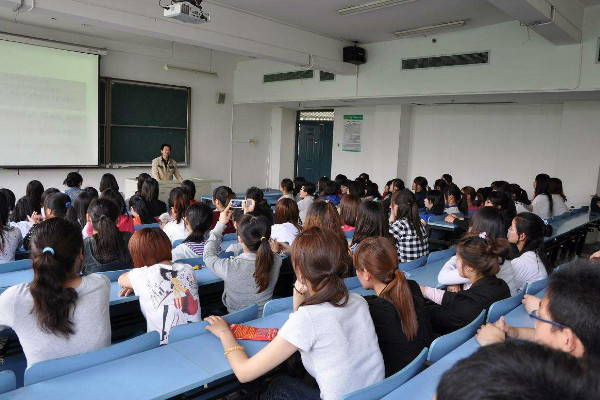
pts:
pixel 108 122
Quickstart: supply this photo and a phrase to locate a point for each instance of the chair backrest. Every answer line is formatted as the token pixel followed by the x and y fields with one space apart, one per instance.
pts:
pixel 50 369
pixel 19 265
pixel 186 331
pixel 177 242
pixel 352 283
pixel 445 344
pixel 409 266
pixel 191 261
pixel 534 287
pixel 278 305
pixel 440 255
pixel 503 307
pixel 230 236
pixel 138 227
pixel 391 383
pixel 8 381
pixel 113 275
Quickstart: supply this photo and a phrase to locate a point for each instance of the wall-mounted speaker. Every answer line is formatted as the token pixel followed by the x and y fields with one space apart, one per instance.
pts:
pixel 220 98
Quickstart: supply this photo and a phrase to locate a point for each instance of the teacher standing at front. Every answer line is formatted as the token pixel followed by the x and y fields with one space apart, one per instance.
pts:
pixel 163 167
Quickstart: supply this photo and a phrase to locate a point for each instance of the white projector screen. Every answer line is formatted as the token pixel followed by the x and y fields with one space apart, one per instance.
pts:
pixel 48 106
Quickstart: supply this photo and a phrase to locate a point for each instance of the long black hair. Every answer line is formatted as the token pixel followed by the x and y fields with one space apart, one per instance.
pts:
pixel 371 221
pixel 199 216
pixel 372 190
pixel 107 245
pixel 53 303
pixel 535 229
pixel 189 188
pixel 261 205
pixel 78 213
pixel 140 181
pixel 25 207
pixel 519 194
pixel 4 227
pixel 150 190
pixel 139 205
pixel 73 179
pixel 178 203
pixel 542 187
pixel 10 198
pixel 407 208
pixel 34 190
pixel 59 203
pixel 255 232
pixel 489 220
pixel 115 197
pixel 108 181
pixel 437 200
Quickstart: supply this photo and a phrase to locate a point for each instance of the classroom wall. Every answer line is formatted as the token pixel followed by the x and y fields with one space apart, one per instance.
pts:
pixel 210 122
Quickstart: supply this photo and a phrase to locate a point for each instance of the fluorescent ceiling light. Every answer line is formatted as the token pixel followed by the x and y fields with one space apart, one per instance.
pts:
pixel 168 67
pixel 431 28
pixel 373 5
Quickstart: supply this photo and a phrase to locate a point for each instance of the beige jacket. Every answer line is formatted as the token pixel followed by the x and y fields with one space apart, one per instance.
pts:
pixel 162 173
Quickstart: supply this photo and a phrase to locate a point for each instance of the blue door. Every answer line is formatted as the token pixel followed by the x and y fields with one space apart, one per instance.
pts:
pixel 315 143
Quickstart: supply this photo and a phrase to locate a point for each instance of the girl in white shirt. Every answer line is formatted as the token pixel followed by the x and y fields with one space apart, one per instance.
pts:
pixel 178 203
pixel 542 204
pixel 198 219
pixel 527 232
pixel 10 237
pixel 287 218
pixel 331 328
pixel 558 197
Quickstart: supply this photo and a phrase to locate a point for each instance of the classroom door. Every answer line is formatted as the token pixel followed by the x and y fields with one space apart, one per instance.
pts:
pixel 315 143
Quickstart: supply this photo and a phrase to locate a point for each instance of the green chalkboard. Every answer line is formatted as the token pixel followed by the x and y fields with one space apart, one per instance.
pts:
pixel 141 116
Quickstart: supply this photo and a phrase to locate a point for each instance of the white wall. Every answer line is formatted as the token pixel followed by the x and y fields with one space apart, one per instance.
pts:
pixel 482 143
pixel 210 122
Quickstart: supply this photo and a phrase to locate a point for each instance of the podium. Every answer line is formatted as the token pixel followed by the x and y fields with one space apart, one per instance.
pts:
pixel 203 187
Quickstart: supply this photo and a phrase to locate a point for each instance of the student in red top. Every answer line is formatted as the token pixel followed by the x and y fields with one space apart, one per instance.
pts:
pixel 221 197
pixel 125 221
pixel 189 188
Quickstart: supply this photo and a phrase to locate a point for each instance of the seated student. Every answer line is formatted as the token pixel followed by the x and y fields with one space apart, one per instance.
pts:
pixel 73 181
pixel 348 210
pixel 24 208
pixel 198 218
pixel 398 310
pixel 502 202
pixel 324 215
pixel 287 225
pixel 372 192
pixel 452 196
pixel 58 314
pixel 447 178
pixel 10 236
pixel 178 204
pixel 356 188
pixel 542 204
pixel 478 261
pixel 298 182
pixel 149 193
pixel 395 185
pixel 406 228
pixel 137 208
pixel 566 318
pixel 287 189
pixel 251 276
pixel 519 196
pixel 189 188
pixel 10 199
pixel 559 200
pixel 168 291
pixel 519 370
pixel 106 248
pixel 55 206
pixel 419 186
pixel 490 221
pixel 434 203
pixel 331 194
pixel 108 181
pixel 527 232
pixel 34 191
pixel 140 182
pixel 125 221
pixel 321 184
pixel 472 198
pixel 237 248
pixel 307 196
pixel 340 178
pixel 371 221
pixel 256 204
pixel 440 185
pixel 220 199
pixel 78 212
pixel 330 327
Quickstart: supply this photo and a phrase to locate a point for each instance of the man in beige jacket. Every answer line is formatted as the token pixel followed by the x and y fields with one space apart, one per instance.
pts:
pixel 163 167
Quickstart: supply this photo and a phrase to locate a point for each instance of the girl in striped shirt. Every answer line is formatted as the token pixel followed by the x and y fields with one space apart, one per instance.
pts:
pixel 198 219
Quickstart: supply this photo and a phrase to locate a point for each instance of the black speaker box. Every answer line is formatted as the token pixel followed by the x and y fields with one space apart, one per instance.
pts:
pixel 355 55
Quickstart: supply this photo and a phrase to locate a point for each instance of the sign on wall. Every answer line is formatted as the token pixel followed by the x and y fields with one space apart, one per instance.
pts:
pixel 353 125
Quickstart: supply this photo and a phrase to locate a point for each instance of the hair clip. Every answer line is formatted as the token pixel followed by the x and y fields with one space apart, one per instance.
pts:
pixel 68 204
pixel 545 222
pixel 48 250
pixel 483 235
pixel 263 238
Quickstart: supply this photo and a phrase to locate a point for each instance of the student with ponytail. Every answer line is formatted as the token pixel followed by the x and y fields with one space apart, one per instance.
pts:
pixel 519 196
pixel 527 232
pixel 141 215
pixel 434 203
pixel 452 197
pixel 58 314
pixel 78 213
pixel 10 236
pixel 178 204
pixel 398 310
pixel 34 191
pixel 371 221
pixel 125 221
pixel 55 206
pixel 149 193
pixel 478 259
pixel 106 249
pixel 198 219
pixel 419 186
pixel 409 233
pixel 542 204
pixel 251 276
pixel 331 328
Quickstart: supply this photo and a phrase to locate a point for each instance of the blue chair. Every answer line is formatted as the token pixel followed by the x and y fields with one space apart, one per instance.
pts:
pixel 114 275
pixel 19 265
pixel 352 283
pixel 186 331
pixel 192 261
pixel 278 305
pixel 50 369
pixel 8 381
pixel 391 383
pixel 441 255
pixel 230 236
pixel 503 307
pixel 349 235
pixel 138 227
pixel 445 344
pixel 534 287
pixel 409 266
pixel 177 242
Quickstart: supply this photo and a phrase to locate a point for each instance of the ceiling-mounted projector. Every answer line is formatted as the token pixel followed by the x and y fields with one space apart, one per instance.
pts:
pixel 187 11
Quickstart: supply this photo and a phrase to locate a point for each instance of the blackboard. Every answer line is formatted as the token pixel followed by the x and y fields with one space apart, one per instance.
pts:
pixel 141 116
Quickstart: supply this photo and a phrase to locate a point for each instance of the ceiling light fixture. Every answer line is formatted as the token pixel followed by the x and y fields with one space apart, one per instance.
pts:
pixel 431 28
pixel 168 67
pixel 373 5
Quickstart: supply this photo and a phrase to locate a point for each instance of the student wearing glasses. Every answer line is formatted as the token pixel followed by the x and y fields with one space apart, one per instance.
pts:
pixel 566 318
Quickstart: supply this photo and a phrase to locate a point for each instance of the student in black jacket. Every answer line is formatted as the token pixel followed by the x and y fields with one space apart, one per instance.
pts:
pixel 477 260
pixel 398 311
